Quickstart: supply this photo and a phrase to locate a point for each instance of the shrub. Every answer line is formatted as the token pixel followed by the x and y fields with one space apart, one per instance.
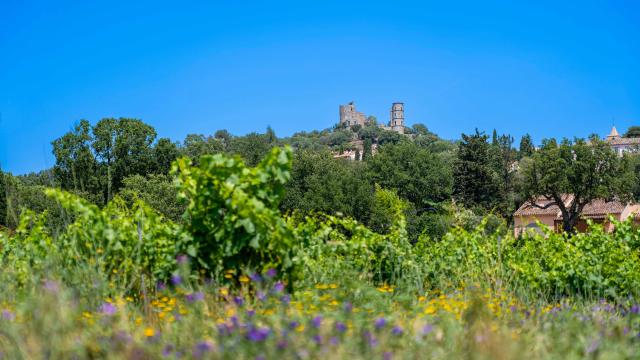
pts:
pixel 233 214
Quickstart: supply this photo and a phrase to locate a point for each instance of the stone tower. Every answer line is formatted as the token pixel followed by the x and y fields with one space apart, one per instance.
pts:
pixel 397 117
pixel 350 116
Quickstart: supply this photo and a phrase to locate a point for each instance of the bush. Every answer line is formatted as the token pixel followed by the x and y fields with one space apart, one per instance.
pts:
pixel 233 213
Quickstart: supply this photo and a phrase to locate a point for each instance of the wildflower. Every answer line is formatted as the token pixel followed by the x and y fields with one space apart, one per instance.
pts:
pixel 282 344
pixel 51 286
pixel 317 339
pixel 176 279
pixel 348 307
pixel 261 357
pixel 258 334
pixel 8 315
pixel 595 344
pixel 244 279
pixel 201 348
pixel 193 297
pixel 278 287
pixel 371 340
pixel 182 259
pixel 316 321
pixel 635 309
pixel 293 325
pixel 397 330
pixel 167 350
pixel 261 295
pixel 238 300
pixel 255 277
pixel 286 299
pixel 271 273
pixel 108 309
pixel 380 323
pixel 161 286
pixel 149 332
pixel 334 341
pixel 341 327
pixel 427 329
pixel 387 355
pixel 251 313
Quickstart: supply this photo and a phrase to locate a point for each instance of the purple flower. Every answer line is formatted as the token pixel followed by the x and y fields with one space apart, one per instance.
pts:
pixel 316 321
pixel 380 323
pixel 51 286
pixel 176 280
pixel 182 259
pixel 341 327
pixel 282 344
pixel 513 309
pixel 286 299
pixel 261 295
pixel 251 313
pixel 317 339
pixel 635 309
pixel 238 300
pixel 8 315
pixel 260 357
pixel 371 340
pixel 397 330
pixel 387 355
pixel 167 350
pixel 348 307
pixel 595 344
pixel 255 277
pixel 258 334
pixel 108 309
pixel 293 325
pixel 201 348
pixel 271 273
pixel 427 329
pixel 161 286
pixel 193 297
pixel 278 287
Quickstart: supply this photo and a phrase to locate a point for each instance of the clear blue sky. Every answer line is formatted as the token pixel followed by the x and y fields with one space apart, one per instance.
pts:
pixel 549 68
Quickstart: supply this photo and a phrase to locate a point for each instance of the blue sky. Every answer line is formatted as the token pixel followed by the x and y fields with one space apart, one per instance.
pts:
pixel 549 69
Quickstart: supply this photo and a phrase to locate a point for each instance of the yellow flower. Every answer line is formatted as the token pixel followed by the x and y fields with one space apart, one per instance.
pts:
pixel 149 332
pixel 228 276
pixel 224 291
pixel 244 279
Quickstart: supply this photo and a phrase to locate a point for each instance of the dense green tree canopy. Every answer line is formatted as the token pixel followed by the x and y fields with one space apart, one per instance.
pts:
pixel 475 178
pixel 419 176
pixel 573 173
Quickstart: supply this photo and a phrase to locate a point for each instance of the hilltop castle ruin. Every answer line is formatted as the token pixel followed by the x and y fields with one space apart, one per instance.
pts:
pixel 349 116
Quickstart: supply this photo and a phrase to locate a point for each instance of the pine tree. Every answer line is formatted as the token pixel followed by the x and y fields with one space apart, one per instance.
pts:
pixel 526 146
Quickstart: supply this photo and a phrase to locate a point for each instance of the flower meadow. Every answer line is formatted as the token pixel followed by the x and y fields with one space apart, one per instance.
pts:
pixel 240 280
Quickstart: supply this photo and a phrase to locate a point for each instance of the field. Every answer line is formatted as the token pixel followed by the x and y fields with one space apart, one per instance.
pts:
pixel 240 280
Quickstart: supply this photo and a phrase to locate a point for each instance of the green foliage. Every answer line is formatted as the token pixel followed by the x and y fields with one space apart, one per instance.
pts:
pixel 475 177
pixel 593 264
pixel 586 171
pixel 3 200
pixel 158 191
pixel 526 146
pixel 252 147
pixel 419 176
pixel 321 183
pixel 632 131
pixel 233 212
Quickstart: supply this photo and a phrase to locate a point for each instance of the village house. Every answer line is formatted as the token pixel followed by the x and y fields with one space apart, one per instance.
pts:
pixel 528 217
pixel 621 144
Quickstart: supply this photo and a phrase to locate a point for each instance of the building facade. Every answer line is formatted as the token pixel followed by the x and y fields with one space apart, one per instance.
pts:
pixel 621 144
pixel 349 116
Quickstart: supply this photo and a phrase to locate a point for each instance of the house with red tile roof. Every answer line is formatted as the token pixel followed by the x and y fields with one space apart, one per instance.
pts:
pixel 530 217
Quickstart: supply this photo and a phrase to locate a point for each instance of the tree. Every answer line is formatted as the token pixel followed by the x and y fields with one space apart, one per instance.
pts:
pixel 125 148
pixel 321 183
pixel 252 147
pixel 76 167
pixel 475 177
pixel 419 176
pixel 158 191
pixel 526 146
pixel 3 200
pixel 570 175
pixel 632 131
pixel 197 145
pixel 366 150
pixel 164 153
